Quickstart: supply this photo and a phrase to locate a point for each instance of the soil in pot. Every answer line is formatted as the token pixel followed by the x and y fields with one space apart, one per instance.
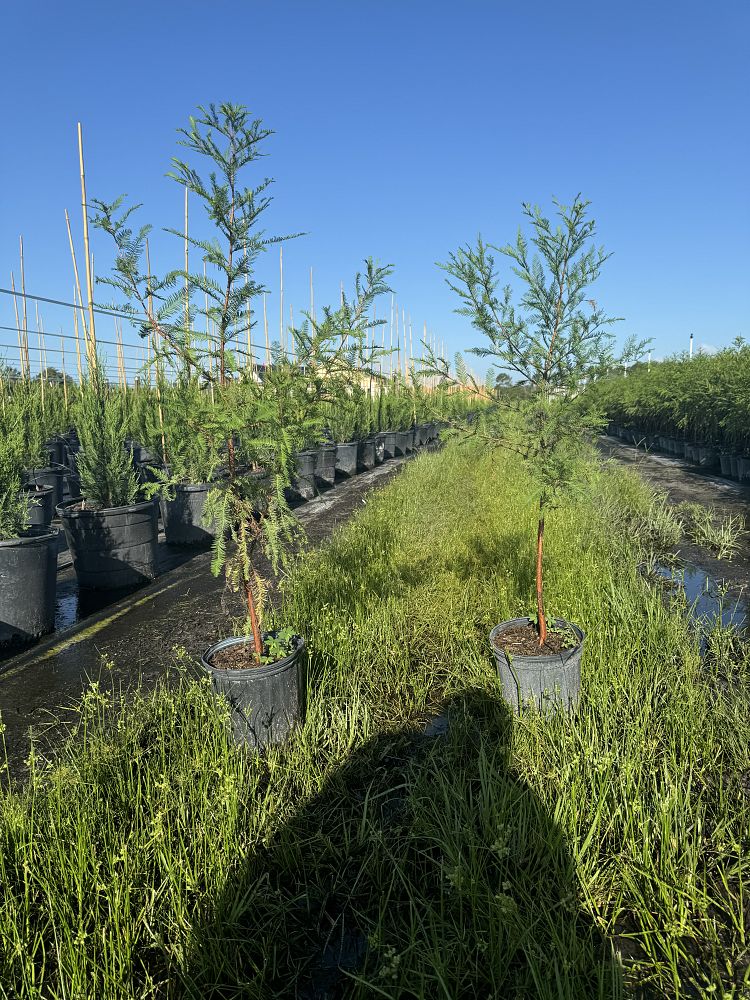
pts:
pixel 523 640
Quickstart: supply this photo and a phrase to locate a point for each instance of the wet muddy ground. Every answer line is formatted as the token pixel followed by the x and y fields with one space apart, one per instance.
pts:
pixel 131 640
pixel 682 481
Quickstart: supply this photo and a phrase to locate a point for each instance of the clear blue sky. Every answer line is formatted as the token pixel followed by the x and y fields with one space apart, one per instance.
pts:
pixel 403 128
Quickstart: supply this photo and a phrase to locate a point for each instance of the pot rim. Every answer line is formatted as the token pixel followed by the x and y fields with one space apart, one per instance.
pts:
pixel 56 467
pixel 264 670
pixel 545 658
pixel 31 536
pixel 62 511
pixel 37 488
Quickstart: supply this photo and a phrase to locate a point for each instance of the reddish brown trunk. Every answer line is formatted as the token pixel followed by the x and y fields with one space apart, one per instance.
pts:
pixel 541 620
pixel 253 614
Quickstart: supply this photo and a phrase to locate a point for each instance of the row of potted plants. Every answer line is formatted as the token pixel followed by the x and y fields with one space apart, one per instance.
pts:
pixel 705 456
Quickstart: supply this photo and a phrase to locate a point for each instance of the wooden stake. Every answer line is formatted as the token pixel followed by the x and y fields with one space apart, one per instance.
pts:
pixel 18 328
pixel 78 343
pixel 390 356
pixel 89 277
pixel 64 375
pixel 25 329
pixel 265 330
pixel 281 298
pixel 187 281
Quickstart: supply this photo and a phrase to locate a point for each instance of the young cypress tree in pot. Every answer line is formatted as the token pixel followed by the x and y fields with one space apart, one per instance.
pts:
pixel 554 342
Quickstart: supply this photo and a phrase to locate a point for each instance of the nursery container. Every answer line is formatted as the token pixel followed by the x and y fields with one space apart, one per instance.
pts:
pixel 41 505
pixel 72 484
pixel 304 479
pixel 28 574
pixel 56 448
pixel 708 458
pixel 379 448
pixel 183 517
pixel 366 454
pixel 734 467
pixel 420 435
pixel 325 464
pixel 546 680
pixel 725 461
pixel 402 445
pixel 346 458
pixel 52 476
pixel 265 701
pixel 114 547
pixel 389 444
pixel 743 469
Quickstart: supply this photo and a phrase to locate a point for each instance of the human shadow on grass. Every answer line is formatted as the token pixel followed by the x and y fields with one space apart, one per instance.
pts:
pixel 425 867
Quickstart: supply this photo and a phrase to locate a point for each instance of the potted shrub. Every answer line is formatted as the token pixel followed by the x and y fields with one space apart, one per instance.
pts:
pixel 28 554
pixel 554 342
pixel 111 531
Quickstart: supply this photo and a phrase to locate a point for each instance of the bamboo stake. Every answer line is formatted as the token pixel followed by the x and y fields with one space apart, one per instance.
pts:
pixel 64 375
pixel 281 299
pixel 187 282
pixel 18 328
pixel 265 330
pixel 89 277
pixel 78 343
pixel 390 355
pixel 25 329
pixel 39 348
pixel 411 349
pixel 398 345
pixel 250 359
pixel 157 379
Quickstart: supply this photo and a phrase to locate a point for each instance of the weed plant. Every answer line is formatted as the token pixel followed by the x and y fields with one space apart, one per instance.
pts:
pixel 597 855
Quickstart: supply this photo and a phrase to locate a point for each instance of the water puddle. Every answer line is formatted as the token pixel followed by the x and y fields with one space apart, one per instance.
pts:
pixel 707 600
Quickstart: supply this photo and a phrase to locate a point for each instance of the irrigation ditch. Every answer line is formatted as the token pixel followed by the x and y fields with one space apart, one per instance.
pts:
pixel 684 482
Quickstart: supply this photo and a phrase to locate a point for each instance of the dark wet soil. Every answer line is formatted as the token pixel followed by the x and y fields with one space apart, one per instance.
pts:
pixel 523 640
pixel 134 639
pixel 685 482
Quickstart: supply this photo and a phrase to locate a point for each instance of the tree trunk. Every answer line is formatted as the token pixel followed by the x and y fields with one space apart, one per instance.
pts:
pixel 253 614
pixel 541 620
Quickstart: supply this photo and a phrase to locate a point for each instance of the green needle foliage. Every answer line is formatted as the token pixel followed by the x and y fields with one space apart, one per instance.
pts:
pixel 274 418
pixel 105 467
pixel 17 418
pixel 554 341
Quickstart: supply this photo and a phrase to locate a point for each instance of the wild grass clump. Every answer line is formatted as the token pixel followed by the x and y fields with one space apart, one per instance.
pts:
pixel 599 855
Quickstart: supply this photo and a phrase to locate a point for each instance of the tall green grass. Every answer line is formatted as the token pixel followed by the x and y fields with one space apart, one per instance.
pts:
pixel 599 855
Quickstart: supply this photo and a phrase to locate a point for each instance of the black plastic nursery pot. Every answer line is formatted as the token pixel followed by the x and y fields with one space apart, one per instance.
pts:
pixel 28 575
pixel 112 548
pixel 51 475
pixel 404 442
pixel 72 483
pixel 346 458
pixel 379 448
pixel 725 461
pixel 304 479
pixel 389 444
pixel 266 702
pixel 56 447
pixel 41 505
pixel 325 464
pixel 183 517
pixel 545 681
pixel 366 454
